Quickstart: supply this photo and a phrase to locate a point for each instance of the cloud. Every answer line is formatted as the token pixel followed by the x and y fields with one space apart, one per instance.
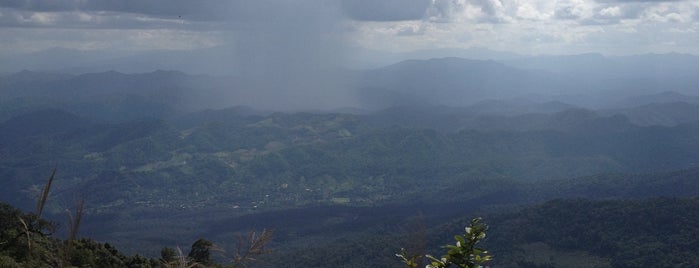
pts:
pixel 201 15
pixel 268 34
pixel 637 1
pixel 186 12
pixel 385 10
pixel 610 12
pixel 103 14
pixel 487 6
pixel 409 30
pixel 87 20
pixel 194 10
pixel 528 11
pixel 567 13
pixel 442 11
pixel 438 11
pixel 667 16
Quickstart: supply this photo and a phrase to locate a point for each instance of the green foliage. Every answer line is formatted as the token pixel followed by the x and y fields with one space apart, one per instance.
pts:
pixel 168 255
pixel 201 252
pixel 23 238
pixel 658 232
pixel 463 253
pixel 88 253
pixel 25 242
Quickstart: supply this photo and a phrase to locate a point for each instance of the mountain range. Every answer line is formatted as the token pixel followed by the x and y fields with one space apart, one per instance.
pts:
pixel 166 157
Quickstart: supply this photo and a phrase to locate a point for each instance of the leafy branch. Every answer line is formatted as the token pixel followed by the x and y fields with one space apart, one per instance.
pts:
pixel 463 254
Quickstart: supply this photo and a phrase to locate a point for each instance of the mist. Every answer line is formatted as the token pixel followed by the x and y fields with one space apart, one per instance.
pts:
pixel 289 54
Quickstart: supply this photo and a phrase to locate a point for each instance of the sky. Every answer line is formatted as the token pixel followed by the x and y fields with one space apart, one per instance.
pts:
pixel 297 29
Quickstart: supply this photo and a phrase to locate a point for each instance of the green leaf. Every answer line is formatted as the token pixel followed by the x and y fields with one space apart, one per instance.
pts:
pixel 460 239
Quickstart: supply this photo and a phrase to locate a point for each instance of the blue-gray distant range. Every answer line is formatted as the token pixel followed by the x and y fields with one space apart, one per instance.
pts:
pixel 207 78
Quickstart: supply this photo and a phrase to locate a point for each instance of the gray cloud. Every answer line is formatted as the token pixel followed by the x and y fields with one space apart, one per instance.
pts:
pixel 87 20
pixel 402 10
pixel 637 1
pixel 268 37
pixel 486 6
pixel 206 15
pixel 410 31
pixel 123 14
pixel 444 10
pixel 385 10
pixel 184 10
pixel 566 13
pixel 489 10
pixel 41 6
pixel 194 10
pixel 603 16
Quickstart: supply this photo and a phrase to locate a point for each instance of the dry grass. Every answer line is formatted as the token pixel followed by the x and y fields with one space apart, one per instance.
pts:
pixel 26 231
pixel 44 194
pixel 250 247
pixel 74 221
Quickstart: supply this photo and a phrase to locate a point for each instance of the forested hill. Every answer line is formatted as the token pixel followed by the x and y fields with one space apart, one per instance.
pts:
pixel 308 158
pixel 657 232
pixel 241 167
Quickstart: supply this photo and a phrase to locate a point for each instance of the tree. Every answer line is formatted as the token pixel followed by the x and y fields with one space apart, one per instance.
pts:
pixel 168 255
pixel 201 252
pixel 463 254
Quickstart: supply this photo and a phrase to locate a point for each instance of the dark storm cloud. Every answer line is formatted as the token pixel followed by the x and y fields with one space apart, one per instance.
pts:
pixel 187 10
pixel 226 11
pixel 124 14
pixel 385 10
pixel 169 14
pixel 194 10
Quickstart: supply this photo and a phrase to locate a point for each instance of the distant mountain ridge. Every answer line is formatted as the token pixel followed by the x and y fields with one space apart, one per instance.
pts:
pixel 450 81
pixel 156 94
pixel 456 81
pixel 589 80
